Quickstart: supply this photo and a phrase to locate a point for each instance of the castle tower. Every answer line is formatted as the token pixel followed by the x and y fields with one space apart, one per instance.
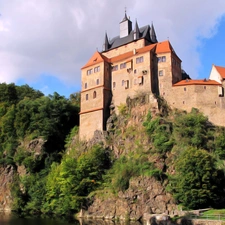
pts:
pixel 129 64
pixel 95 95
pixel 125 27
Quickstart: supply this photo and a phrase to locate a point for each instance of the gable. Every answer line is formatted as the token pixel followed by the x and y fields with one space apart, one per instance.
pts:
pixel 95 59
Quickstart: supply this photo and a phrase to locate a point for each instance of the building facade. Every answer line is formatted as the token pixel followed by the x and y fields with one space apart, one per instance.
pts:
pixel 136 62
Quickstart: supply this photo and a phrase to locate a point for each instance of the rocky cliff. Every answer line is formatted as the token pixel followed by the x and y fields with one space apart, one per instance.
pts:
pixel 144 196
pixel 6 179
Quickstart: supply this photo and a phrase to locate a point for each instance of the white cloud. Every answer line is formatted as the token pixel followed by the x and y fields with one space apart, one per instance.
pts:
pixel 57 37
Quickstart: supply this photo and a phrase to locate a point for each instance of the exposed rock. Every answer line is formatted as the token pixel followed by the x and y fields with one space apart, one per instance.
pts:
pixel 6 178
pixel 35 146
pixel 145 195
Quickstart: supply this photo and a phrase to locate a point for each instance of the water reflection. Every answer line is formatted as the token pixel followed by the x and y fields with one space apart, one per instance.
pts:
pixel 12 219
pixel 107 222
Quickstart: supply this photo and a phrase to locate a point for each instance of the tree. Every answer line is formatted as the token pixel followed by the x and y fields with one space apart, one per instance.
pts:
pixel 197 182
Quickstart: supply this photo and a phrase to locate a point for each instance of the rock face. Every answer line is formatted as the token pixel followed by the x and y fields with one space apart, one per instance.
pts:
pixel 6 178
pixel 145 195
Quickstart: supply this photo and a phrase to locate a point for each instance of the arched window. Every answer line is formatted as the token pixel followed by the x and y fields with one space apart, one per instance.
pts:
pixel 97 81
pixel 86 97
pixel 94 94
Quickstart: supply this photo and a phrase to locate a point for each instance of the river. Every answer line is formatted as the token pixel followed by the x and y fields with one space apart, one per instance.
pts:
pixel 6 219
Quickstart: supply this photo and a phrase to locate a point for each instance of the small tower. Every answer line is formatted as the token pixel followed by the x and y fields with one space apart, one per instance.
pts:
pixel 153 35
pixel 106 43
pixel 136 31
pixel 125 26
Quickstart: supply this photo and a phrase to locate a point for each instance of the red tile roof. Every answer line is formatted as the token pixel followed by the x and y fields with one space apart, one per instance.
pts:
pixel 162 47
pixel 95 59
pixel 196 82
pixel 131 53
pixel 221 71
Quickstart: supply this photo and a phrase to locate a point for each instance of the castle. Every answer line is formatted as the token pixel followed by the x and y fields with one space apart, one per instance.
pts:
pixel 136 62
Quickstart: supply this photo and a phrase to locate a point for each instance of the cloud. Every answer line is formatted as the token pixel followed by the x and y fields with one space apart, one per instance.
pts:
pixel 57 37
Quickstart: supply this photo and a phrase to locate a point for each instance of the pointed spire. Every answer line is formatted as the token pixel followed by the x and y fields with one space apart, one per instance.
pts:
pixel 125 17
pixel 106 43
pixel 136 31
pixel 125 26
pixel 153 34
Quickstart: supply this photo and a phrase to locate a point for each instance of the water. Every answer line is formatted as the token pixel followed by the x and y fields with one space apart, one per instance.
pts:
pixel 6 219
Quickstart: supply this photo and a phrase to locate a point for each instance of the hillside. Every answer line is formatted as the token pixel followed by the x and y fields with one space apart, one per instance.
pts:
pixel 151 159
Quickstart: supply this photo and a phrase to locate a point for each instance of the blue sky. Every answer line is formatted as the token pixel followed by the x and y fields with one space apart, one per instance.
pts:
pixel 44 43
pixel 211 51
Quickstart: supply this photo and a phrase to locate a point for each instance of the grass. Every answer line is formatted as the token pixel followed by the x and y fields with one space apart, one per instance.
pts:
pixel 214 214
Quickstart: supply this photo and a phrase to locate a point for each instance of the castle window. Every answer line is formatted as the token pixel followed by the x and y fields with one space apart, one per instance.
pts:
pixel 97 69
pixel 204 87
pixel 86 97
pixel 115 68
pixel 161 73
pixel 97 82
pixel 162 59
pixel 126 84
pixel 122 65
pixel 114 84
pixel 135 71
pixel 140 59
pixel 85 85
pixel 94 94
pixel 140 80
pixel 185 89
pixel 89 71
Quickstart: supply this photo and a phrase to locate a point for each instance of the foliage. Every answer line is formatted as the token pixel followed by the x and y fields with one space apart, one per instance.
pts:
pixel 127 167
pixel 160 133
pixel 193 129
pixel 123 109
pixel 71 181
pixel 197 182
pixel 28 114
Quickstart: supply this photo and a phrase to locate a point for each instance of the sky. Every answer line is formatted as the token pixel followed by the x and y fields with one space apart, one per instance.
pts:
pixel 44 43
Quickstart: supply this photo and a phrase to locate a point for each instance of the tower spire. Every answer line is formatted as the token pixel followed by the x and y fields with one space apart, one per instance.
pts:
pixel 106 43
pixel 136 31
pixel 153 34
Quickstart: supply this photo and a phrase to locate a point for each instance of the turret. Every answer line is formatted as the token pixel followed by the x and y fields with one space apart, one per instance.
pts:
pixel 136 31
pixel 153 35
pixel 106 43
pixel 125 27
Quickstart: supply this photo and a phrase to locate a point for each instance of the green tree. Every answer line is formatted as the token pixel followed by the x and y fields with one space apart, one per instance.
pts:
pixel 197 182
